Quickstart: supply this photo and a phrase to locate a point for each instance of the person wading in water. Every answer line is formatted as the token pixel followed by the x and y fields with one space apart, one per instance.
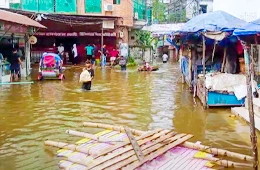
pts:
pixel 15 62
pixel 86 77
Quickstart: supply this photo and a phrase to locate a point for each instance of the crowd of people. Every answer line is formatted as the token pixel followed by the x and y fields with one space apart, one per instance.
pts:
pixel 92 54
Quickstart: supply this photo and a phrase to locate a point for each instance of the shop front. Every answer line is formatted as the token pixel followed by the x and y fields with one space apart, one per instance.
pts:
pixel 81 30
pixel 48 42
pixel 14 34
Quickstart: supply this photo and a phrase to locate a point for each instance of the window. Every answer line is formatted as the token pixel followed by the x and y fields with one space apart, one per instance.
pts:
pixel 93 6
pixel 116 1
pixel 203 9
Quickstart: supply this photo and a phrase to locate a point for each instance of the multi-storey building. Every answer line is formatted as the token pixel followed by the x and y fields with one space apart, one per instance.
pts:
pixel 120 17
pixel 189 8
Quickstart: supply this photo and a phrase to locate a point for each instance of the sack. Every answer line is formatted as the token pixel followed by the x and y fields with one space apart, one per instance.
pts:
pixel 85 76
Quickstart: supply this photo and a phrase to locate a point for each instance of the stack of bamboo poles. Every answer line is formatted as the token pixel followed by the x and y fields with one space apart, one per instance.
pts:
pixel 122 155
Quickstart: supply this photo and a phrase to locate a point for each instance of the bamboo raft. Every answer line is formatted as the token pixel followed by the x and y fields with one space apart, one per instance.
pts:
pixel 119 147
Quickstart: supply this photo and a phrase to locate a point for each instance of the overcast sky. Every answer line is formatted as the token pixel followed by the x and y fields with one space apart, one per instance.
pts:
pixel 247 10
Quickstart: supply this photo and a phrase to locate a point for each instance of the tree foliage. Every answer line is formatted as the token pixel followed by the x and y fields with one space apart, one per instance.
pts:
pixel 177 17
pixel 158 10
pixel 143 38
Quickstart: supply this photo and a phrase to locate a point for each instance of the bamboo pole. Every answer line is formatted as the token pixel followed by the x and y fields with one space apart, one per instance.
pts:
pixel 93 137
pixel 68 146
pixel 204 71
pixel 219 152
pixel 249 71
pixel 116 128
pixel 227 163
pixel 215 151
pixel 214 49
pixel 155 148
pixel 224 60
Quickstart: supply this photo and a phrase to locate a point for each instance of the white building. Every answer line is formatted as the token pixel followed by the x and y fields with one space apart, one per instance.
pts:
pixel 4 3
pixel 191 7
pixel 247 10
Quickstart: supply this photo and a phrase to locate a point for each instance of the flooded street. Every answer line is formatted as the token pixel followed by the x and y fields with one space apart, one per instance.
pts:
pixel 30 114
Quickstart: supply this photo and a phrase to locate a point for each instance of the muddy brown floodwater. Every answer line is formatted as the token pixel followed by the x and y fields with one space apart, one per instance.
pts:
pixel 30 114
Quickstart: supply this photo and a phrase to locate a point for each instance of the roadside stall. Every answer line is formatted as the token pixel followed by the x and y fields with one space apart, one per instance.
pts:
pixel 249 36
pixel 211 57
pixel 15 30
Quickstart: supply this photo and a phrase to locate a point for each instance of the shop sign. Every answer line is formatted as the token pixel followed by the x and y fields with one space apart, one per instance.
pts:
pixel 14 28
pixel 109 24
pixel 33 40
pixel 75 34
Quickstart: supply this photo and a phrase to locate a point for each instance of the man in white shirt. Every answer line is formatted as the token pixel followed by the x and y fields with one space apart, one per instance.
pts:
pixel 61 49
pixel 165 58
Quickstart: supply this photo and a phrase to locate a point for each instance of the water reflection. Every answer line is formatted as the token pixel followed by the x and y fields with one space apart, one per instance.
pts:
pixel 32 113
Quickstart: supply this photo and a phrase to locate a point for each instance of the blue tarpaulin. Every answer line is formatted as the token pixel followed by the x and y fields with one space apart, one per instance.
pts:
pixel 213 22
pixel 248 29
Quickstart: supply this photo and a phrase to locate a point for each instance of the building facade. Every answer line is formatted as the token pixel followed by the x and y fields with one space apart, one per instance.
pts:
pixel 4 3
pixel 189 8
pixel 131 13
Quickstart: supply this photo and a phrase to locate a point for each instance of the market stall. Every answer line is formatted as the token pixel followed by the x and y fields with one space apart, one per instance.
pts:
pixel 209 55
pixel 15 30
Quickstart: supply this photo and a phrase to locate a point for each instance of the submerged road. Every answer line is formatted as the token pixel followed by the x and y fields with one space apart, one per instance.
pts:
pixel 32 113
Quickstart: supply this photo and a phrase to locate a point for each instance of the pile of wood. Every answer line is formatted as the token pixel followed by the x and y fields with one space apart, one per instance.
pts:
pixel 123 148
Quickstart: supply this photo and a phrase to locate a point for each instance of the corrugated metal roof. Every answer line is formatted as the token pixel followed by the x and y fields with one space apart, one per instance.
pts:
pixel 18 19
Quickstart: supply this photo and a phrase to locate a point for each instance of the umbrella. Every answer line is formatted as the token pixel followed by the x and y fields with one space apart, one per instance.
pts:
pixel 213 22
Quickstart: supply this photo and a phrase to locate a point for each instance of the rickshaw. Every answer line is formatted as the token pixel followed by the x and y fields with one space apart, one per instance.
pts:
pixel 50 67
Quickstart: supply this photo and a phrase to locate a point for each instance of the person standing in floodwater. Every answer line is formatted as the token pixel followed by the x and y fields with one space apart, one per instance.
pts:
pixel 75 54
pixel 122 63
pixel 165 58
pixel 86 77
pixel 16 63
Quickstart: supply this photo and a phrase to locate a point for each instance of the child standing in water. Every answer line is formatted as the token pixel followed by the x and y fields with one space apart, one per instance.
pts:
pixel 86 77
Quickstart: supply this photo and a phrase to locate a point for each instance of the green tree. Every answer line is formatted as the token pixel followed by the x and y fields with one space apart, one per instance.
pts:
pixel 158 10
pixel 144 39
pixel 177 17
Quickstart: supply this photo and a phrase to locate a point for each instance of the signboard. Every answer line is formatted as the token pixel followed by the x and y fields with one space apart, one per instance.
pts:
pixel 75 34
pixel 123 49
pixel 13 28
pixel 109 24
pixel 33 40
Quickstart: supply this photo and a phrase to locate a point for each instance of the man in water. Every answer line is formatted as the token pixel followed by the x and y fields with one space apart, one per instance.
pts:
pixel 87 85
pixel 165 58
pixel 89 51
pixel 15 62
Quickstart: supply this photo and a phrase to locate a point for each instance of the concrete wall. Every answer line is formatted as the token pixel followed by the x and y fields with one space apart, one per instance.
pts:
pixel 191 7
pixel 4 3
pixel 124 10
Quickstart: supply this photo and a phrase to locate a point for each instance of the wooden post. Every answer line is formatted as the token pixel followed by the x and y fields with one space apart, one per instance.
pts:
pixel 190 67
pixel 27 55
pixel 224 60
pixel 204 71
pixel 249 71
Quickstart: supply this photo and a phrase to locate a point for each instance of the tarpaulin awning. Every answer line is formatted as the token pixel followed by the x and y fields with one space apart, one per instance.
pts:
pixel 251 28
pixel 213 22
pixel 19 19
pixel 163 28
